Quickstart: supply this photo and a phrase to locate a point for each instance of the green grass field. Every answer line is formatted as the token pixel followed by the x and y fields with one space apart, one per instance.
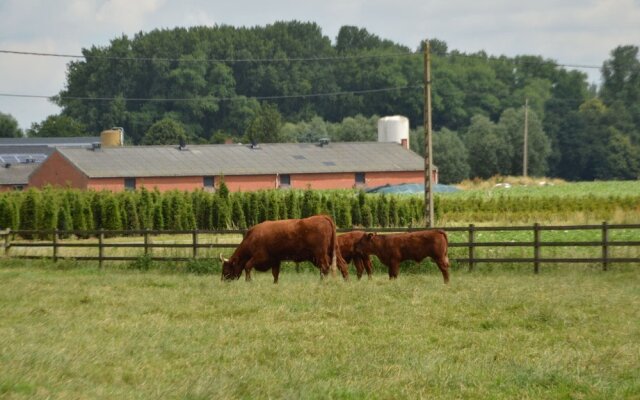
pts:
pixel 73 331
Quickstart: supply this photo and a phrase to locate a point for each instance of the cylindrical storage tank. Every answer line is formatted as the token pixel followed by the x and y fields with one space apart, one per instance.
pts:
pixel 393 129
pixel 113 137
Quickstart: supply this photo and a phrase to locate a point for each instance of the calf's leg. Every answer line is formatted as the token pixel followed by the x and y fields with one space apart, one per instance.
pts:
pixel 367 265
pixel 357 262
pixel 443 264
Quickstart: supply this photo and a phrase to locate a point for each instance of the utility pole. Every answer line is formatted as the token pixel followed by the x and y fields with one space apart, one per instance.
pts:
pixel 428 158
pixel 525 159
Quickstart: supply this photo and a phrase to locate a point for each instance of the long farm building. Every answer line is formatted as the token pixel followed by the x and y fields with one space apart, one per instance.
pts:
pixel 322 165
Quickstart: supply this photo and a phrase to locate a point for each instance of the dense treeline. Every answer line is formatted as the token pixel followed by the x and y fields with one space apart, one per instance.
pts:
pixel 216 76
pixel 71 209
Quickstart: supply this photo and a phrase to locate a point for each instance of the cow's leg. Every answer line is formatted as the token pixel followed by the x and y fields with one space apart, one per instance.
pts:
pixel 275 270
pixel 394 268
pixel 321 261
pixel 247 270
pixel 443 264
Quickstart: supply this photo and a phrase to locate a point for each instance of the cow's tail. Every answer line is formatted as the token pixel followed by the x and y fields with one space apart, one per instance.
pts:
pixel 334 246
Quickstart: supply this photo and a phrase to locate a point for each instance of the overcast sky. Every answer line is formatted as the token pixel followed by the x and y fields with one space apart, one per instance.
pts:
pixel 581 32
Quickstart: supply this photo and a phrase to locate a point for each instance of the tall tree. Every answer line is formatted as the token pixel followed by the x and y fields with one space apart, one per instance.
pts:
pixel 621 84
pixel 265 126
pixel 450 156
pixel 57 126
pixel 486 148
pixel 9 126
pixel 165 131
pixel 511 129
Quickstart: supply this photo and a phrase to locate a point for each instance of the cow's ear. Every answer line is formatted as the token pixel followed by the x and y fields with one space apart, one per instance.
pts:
pixel 370 235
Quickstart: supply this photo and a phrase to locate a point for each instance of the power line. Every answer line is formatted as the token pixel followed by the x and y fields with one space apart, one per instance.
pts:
pixel 556 100
pixel 211 60
pixel 282 60
pixel 277 97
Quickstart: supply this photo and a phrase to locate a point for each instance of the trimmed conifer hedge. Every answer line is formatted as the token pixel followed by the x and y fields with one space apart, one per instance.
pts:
pixel 72 209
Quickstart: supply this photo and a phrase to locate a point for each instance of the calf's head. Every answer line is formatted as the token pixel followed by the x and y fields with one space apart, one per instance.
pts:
pixel 365 244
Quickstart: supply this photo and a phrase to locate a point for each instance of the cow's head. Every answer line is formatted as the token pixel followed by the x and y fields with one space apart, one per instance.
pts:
pixel 365 244
pixel 230 270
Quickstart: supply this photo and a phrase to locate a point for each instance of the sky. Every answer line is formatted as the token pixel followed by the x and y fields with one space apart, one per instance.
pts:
pixel 573 32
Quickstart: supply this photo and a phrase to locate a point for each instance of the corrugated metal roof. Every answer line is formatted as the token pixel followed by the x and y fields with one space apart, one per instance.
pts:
pixel 233 159
pixel 16 174
pixel 50 141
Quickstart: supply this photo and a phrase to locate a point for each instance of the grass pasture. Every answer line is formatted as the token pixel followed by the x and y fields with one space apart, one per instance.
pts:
pixel 74 331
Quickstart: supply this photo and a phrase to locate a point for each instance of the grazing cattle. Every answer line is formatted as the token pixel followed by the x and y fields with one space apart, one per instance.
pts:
pixel 269 243
pixel 416 246
pixel 346 243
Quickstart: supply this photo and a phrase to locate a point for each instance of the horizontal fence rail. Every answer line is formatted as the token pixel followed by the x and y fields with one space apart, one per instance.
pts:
pixel 55 240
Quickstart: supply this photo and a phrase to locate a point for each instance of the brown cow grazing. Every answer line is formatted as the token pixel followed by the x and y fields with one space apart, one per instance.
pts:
pixel 416 246
pixel 347 242
pixel 269 243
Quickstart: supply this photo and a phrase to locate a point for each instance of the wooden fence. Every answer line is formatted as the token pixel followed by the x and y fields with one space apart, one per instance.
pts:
pixel 469 256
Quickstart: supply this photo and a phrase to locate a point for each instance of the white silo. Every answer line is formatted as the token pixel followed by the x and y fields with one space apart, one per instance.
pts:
pixel 394 129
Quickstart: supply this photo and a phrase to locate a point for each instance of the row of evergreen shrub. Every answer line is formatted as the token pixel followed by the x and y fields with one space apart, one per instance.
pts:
pixel 71 209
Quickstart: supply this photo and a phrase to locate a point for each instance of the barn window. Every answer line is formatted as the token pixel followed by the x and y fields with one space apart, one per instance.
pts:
pixel 209 182
pixel 285 180
pixel 130 183
pixel 360 178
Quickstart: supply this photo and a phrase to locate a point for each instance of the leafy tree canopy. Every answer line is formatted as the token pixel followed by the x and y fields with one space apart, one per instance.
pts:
pixel 9 126
pixel 288 81
pixel 57 126
pixel 165 131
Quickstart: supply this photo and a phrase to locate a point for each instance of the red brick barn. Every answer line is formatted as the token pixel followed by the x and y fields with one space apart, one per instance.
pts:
pixel 244 167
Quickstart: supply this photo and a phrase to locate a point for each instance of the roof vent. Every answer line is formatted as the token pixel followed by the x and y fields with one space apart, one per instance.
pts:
pixel 323 142
pixel 96 146
pixel 182 144
pixel 254 145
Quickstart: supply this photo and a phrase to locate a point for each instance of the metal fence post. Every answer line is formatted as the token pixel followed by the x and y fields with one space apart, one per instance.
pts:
pixel 605 246
pixel 100 248
pixel 536 248
pixel 55 245
pixel 471 246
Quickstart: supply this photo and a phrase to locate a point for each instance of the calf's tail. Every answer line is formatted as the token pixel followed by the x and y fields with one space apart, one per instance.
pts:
pixel 446 247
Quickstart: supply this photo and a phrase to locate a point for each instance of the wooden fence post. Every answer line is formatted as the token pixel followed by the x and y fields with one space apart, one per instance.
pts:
pixel 6 243
pixel 536 248
pixel 471 246
pixel 605 246
pixel 55 245
pixel 146 241
pixel 100 248
pixel 194 235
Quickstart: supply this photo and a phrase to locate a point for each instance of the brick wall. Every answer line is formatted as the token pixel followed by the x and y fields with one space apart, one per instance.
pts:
pixel 57 171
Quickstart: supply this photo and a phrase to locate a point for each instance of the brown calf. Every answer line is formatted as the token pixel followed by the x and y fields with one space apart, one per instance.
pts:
pixel 346 243
pixel 416 246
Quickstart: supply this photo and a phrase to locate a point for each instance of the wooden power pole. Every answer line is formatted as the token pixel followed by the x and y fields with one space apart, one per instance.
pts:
pixel 525 156
pixel 428 158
